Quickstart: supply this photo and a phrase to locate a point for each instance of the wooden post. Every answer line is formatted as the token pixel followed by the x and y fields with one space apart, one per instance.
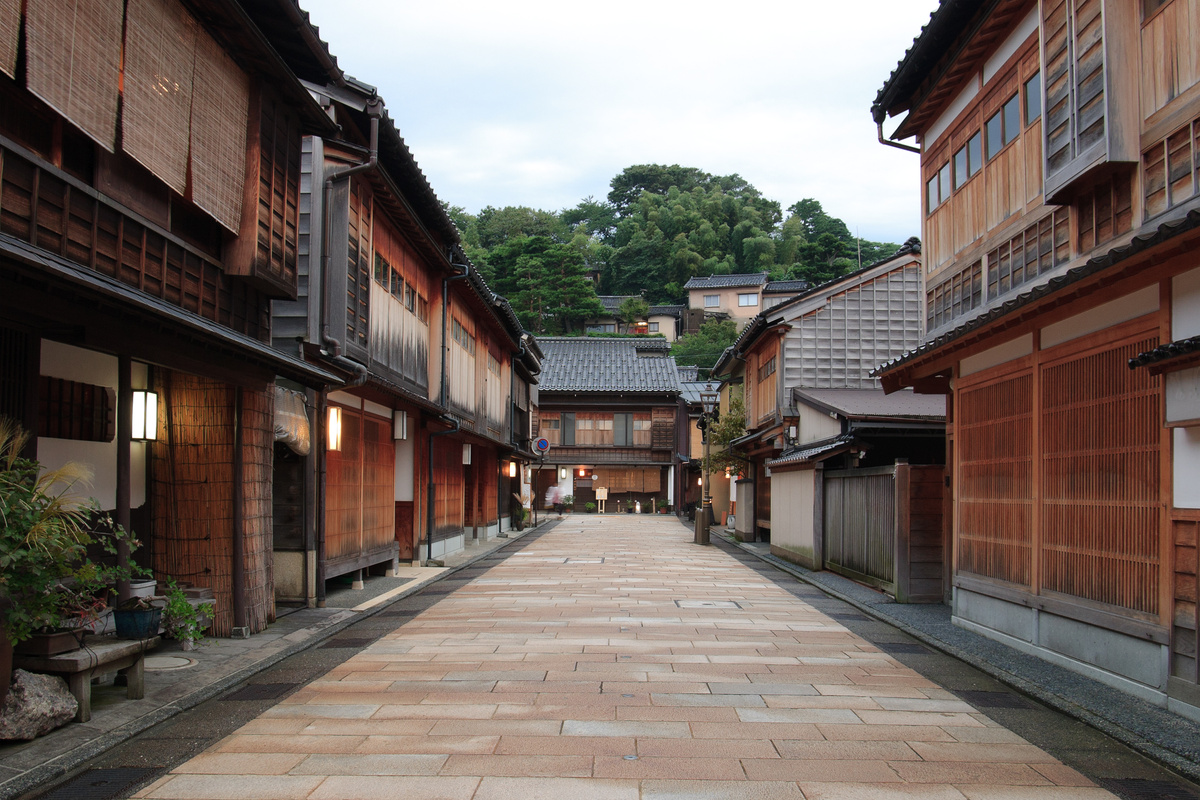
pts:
pixel 124 464
pixel 238 555
pixel 903 514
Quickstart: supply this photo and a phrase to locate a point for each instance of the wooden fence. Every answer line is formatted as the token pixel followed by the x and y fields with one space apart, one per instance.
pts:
pixel 883 526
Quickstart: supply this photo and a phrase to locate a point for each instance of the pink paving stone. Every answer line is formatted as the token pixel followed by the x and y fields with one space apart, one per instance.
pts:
pixel 537 679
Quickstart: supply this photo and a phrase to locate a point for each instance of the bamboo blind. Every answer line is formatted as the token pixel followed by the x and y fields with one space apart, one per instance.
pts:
pixel 995 483
pixel 379 483
pixel 449 487
pixel 220 102
pixel 343 490
pixel 1100 463
pixel 193 492
pixel 74 61
pixel 10 28
pixel 160 46
pixel 646 480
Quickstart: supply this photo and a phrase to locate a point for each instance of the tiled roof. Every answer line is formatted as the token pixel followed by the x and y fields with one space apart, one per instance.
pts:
pixel 688 373
pixel 859 403
pixel 809 451
pixel 612 302
pixel 786 287
pixel 1166 352
pixel 668 310
pixel 945 24
pixel 586 364
pixel 727 281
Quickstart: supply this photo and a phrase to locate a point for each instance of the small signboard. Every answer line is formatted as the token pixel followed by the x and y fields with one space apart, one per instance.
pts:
pixel 542 445
pixel 602 493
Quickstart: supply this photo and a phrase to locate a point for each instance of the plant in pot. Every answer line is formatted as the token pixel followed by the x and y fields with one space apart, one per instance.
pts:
pixel 569 502
pixel 590 507
pixel 184 621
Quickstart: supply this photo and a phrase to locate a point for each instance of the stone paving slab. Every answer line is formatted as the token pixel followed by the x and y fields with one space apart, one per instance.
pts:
pixel 649 668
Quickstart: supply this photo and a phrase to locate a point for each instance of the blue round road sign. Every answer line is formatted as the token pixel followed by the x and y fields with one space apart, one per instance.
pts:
pixel 542 445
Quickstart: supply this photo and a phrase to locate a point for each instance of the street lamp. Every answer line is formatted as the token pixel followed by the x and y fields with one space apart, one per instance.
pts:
pixel 709 398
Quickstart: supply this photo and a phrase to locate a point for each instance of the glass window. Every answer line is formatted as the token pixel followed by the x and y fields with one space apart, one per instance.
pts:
pixel 654 327
pixel 975 153
pixel 938 187
pixel 747 299
pixel 931 194
pixel 382 270
pixel 944 181
pixel 398 287
pixel 1033 98
pixel 1004 126
pixel 712 300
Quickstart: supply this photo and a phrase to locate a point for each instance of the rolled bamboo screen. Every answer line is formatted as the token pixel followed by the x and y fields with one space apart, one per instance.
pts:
pixel 160 46
pixel 10 28
pixel 74 61
pixel 1101 509
pixel 995 483
pixel 220 102
pixel 193 492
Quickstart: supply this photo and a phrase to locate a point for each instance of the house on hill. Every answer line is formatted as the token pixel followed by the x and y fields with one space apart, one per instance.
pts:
pixel 608 407
pixel 661 320
pixel 1061 213
pixel 737 297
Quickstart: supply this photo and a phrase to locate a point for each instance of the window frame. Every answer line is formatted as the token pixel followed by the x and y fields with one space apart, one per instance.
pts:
pixel 715 301
pixel 1001 115
pixel 752 295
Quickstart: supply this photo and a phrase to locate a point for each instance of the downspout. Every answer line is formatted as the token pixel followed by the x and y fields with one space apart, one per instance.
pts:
pixel 430 484
pixel 331 346
pixel 890 143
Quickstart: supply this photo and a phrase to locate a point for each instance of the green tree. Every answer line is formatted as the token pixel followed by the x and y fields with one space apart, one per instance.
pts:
pixel 706 345
pixel 545 281
pixel 730 426
pixel 633 309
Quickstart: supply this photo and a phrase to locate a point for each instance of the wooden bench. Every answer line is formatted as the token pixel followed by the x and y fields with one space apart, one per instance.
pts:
pixel 98 656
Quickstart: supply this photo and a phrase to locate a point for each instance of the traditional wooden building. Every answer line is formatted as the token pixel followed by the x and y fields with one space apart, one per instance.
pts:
pixel 608 408
pixel 1059 174
pixel 418 453
pixel 149 183
pixel 829 338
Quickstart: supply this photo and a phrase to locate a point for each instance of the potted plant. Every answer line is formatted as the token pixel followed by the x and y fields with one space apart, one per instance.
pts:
pixel 590 507
pixel 184 621
pixel 569 502
pixel 139 617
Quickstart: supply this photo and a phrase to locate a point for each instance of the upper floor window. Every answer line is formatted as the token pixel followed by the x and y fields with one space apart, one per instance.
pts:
pixel 422 309
pixel 1003 126
pixel 766 370
pixel 712 300
pixel 1150 6
pixel 398 285
pixel 1033 98
pixel 461 335
pixel 654 327
pixel 968 160
pixel 937 189
pixel 493 364
pixel 383 271
pixel 747 299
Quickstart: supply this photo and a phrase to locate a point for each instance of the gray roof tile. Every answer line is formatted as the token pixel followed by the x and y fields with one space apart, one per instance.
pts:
pixel 585 364
pixel 727 281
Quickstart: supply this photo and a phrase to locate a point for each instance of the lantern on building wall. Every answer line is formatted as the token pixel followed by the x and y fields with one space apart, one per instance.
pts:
pixel 333 428
pixel 145 416
pixel 512 469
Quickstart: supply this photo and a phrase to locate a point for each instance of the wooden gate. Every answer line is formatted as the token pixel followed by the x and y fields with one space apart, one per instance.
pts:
pixel 860 524
pixel 883 526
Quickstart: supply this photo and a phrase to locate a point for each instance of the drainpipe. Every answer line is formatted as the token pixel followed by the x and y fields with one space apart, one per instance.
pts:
pixel 124 464
pixel 429 481
pixel 890 143
pixel 238 556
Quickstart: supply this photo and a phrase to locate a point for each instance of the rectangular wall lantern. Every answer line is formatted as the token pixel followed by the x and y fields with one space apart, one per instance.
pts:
pixel 400 425
pixel 562 473
pixel 334 428
pixel 512 469
pixel 466 454
pixel 145 416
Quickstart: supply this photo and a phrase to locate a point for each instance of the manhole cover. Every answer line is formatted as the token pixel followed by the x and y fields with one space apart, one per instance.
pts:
pixel 902 647
pixel 261 691
pixel 99 784
pixel 168 663
pixel 584 560
pixel 982 699
pixel 1143 789
pixel 706 604
pixel 348 641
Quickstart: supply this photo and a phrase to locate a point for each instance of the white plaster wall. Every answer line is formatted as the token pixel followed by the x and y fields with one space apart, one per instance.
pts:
pixel 792 510
pixel 816 425
pixel 99 369
pixel 1187 467
pixel 405 449
pixel 1131 306
pixel 1185 305
pixel 1001 353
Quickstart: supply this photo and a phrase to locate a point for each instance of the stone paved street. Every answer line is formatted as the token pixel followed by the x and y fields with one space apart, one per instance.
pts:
pixel 612 658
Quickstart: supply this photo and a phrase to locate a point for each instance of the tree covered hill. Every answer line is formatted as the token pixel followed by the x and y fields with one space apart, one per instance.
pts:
pixel 658 227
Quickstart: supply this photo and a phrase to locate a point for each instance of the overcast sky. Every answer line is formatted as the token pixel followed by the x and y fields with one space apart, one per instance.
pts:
pixel 541 103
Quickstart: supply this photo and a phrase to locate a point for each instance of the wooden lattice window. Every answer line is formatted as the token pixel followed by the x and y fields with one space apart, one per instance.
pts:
pixel 1038 249
pixel 358 276
pixel 1170 170
pixel 995 481
pixel 1106 212
pixel 74 410
pixel 1101 426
